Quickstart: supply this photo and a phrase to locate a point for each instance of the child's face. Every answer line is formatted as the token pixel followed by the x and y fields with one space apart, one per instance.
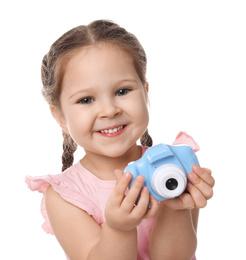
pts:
pixel 103 101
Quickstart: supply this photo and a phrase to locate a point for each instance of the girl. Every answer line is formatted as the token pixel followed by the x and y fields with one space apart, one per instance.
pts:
pixel 94 81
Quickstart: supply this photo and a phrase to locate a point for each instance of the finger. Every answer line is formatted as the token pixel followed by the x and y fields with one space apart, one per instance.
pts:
pixel 118 193
pixel 147 206
pixel 204 188
pixel 208 170
pixel 133 194
pixel 152 208
pixel 186 201
pixel 204 174
pixel 198 198
pixel 140 209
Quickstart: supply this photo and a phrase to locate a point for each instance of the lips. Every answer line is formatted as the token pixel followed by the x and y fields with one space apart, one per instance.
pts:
pixel 112 131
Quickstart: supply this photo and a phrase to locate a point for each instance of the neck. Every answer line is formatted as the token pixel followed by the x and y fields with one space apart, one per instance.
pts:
pixel 103 167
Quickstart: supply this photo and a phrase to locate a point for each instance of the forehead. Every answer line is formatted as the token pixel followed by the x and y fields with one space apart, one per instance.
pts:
pixel 100 54
pixel 101 62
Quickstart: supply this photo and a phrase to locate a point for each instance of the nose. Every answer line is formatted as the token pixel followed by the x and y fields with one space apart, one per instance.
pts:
pixel 109 109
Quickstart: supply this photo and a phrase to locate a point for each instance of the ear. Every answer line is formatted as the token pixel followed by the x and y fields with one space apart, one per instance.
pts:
pixel 57 114
pixel 147 87
pixel 146 92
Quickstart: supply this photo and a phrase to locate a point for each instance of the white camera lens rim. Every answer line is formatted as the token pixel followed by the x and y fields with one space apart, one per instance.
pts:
pixel 164 173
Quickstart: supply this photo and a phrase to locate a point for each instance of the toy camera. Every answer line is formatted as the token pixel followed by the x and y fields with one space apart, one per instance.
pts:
pixel 165 168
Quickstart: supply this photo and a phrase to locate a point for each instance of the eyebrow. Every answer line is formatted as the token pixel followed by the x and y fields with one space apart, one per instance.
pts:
pixel 89 89
pixel 79 92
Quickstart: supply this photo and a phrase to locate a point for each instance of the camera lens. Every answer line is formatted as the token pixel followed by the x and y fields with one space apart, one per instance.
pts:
pixel 171 184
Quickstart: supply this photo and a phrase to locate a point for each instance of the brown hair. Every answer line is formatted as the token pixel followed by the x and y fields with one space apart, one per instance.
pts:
pixel 54 63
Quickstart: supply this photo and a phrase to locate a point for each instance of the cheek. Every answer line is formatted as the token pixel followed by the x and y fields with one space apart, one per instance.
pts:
pixel 141 113
pixel 77 122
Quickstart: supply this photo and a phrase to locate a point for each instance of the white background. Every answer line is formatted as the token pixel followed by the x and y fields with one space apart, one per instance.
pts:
pixel 196 70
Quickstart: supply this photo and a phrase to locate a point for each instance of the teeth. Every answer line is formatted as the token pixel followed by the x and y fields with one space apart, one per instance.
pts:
pixel 111 131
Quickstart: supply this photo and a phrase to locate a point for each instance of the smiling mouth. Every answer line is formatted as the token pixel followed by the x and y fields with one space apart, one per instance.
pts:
pixel 112 130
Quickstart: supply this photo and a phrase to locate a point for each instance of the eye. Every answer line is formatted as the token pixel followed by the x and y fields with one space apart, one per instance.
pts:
pixel 123 92
pixel 86 100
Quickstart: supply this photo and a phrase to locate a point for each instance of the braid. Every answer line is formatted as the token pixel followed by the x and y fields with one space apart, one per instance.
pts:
pixel 146 139
pixel 69 147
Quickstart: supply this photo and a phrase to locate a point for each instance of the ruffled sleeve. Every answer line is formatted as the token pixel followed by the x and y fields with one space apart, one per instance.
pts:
pixel 67 190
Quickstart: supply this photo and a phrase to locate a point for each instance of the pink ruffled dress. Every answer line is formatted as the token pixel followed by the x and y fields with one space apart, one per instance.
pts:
pixel 81 188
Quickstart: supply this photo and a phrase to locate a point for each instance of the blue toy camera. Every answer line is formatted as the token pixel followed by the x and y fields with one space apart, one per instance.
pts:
pixel 165 168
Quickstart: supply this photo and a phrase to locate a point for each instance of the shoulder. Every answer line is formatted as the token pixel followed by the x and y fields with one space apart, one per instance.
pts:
pixel 72 187
pixel 51 195
pixel 71 225
pixel 55 205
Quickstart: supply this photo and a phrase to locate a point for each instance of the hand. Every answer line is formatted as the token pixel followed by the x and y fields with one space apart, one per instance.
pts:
pixel 120 211
pixel 200 190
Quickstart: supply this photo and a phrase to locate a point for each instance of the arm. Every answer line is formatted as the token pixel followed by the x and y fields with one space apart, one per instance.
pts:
pixel 82 238
pixel 174 232
pixel 173 235
pixel 195 216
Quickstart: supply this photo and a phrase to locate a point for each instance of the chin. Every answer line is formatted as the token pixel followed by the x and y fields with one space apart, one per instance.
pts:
pixel 114 153
pixel 117 151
